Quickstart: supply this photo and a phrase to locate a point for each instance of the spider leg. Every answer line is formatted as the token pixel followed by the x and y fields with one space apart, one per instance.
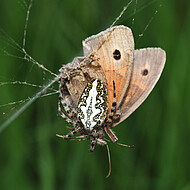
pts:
pixel 75 130
pixel 63 115
pixel 116 116
pixel 66 107
pixel 113 108
pixel 92 145
pixel 77 138
pixel 96 140
pixel 93 139
pixel 110 133
pixel 68 111
pixel 97 137
pixel 111 115
pixel 67 102
pixel 69 127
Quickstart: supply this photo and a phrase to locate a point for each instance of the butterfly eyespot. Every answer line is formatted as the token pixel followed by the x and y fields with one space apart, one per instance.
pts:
pixel 145 72
pixel 117 54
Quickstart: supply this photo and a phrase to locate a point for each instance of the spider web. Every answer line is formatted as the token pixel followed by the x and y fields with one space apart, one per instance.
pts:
pixel 14 50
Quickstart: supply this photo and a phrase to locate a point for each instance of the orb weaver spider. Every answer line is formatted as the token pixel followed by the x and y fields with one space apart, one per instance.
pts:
pixel 90 117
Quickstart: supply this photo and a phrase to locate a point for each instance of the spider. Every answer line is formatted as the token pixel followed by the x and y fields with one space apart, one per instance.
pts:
pixel 91 116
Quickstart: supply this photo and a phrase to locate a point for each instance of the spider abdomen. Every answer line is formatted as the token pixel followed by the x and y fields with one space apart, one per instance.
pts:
pixel 93 105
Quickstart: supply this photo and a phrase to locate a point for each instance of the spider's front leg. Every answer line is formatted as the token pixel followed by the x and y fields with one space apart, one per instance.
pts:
pixel 114 115
pixel 92 145
pixel 97 137
pixel 95 141
pixel 76 129
pixel 68 111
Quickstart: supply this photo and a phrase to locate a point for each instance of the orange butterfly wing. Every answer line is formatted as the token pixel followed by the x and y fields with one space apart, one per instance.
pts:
pixel 113 49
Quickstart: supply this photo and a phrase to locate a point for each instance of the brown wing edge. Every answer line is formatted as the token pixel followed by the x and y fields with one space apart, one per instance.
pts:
pixel 91 43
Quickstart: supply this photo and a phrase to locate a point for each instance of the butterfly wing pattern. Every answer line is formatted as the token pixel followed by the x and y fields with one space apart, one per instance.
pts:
pixel 148 66
pixel 113 48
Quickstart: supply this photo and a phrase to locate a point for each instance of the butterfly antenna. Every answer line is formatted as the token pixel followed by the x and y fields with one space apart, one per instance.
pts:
pixel 109 160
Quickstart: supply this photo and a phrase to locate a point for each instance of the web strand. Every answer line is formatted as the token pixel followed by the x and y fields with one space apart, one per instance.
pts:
pixel 149 22
pixel 122 12
pixel 28 103
pixel 26 24
pixel 24 83
pixel 27 99
pixel 135 10
pixel 13 44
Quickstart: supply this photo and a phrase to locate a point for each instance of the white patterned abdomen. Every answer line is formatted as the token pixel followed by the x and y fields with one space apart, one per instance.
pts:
pixel 93 106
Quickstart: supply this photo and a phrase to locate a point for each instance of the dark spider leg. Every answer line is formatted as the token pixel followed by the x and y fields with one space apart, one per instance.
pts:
pixel 94 136
pixel 67 103
pixel 96 140
pixel 73 122
pixel 116 116
pixel 75 130
pixel 69 127
pixel 113 108
pixel 111 134
pixel 92 145
pixel 63 115
pixel 68 107
pixel 78 138
pixel 109 121
pixel 97 137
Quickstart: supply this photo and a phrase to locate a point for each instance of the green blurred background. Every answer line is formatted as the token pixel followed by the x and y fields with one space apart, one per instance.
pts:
pixel 32 157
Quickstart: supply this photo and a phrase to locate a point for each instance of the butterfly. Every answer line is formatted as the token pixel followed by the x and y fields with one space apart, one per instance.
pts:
pixel 107 84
